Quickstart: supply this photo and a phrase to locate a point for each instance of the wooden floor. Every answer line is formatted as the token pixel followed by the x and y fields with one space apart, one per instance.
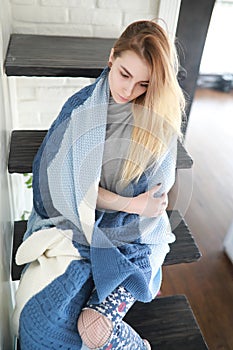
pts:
pixel 205 196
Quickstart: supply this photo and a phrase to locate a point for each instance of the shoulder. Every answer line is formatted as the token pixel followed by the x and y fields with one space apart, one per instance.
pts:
pixel 80 96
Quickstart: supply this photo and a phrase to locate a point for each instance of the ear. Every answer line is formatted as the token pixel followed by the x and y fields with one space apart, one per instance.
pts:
pixel 111 57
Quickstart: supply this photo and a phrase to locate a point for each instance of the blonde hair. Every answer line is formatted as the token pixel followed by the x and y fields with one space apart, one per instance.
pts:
pixel 158 112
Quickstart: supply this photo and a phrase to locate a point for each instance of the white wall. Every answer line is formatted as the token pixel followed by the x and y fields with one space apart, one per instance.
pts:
pixel 39 100
pixel 98 18
pixel 5 211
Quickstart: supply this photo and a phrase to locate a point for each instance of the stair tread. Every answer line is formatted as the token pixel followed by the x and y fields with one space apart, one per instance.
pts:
pixel 57 56
pixel 167 323
pixel 25 143
pixel 183 250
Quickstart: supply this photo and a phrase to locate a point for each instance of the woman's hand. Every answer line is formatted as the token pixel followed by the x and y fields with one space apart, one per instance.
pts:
pixel 145 204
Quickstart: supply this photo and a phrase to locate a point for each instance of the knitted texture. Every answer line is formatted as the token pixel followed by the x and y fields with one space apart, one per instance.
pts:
pixel 49 319
pixel 117 248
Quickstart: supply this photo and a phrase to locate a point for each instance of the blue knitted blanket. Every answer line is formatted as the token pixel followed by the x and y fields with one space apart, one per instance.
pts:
pixel 70 247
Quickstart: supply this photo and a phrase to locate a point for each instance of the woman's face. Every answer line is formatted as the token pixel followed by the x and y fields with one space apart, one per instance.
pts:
pixel 128 77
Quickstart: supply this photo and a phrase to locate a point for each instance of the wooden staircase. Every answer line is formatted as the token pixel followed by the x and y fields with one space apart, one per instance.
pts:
pixel 167 322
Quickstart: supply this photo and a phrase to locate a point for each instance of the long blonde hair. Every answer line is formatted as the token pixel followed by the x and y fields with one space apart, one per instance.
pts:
pixel 158 112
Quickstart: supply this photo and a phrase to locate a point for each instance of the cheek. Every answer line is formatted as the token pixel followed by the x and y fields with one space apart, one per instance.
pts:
pixel 110 79
pixel 139 91
pixel 113 79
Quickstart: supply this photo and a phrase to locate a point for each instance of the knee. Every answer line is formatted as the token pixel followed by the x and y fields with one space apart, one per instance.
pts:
pixel 94 328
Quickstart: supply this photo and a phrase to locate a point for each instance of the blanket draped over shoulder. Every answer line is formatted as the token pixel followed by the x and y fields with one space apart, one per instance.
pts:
pixel 70 247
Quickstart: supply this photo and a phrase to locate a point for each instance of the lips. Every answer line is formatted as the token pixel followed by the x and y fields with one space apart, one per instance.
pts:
pixel 123 98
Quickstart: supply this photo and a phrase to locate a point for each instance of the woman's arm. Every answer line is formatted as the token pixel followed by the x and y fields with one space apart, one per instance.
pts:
pixel 145 204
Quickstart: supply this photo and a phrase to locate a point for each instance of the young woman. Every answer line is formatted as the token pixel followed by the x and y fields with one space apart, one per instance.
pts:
pixel 98 232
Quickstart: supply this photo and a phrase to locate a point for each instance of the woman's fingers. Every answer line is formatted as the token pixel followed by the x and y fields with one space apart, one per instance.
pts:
pixel 162 203
pixel 151 205
pixel 164 198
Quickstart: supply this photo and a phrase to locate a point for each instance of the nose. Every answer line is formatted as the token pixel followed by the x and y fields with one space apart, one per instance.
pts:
pixel 128 90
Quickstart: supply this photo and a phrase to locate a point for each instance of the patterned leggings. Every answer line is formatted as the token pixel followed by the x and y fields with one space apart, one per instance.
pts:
pixel 114 307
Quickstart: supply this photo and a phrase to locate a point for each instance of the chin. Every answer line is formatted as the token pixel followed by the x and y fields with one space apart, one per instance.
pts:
pixel 119 99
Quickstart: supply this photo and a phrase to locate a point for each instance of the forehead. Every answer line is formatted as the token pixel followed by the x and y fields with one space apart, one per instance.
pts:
pixel 135 65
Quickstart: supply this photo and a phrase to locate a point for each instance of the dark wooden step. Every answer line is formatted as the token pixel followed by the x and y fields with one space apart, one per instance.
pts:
pixel 56 56
pixel 184 160
pixel 167 322
pixel 183 250
pixel 25 143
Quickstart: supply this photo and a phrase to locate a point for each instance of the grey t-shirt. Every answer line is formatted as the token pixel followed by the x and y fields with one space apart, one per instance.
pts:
pixel 118 135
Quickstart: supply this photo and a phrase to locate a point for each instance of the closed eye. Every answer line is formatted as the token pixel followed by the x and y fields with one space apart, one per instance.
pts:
pixel 124 75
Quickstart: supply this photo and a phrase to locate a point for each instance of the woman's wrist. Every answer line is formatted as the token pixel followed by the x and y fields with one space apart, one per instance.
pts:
pixel 132 206
pixel 112 201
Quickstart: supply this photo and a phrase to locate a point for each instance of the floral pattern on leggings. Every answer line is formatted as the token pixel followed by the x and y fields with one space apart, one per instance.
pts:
pixel 114 307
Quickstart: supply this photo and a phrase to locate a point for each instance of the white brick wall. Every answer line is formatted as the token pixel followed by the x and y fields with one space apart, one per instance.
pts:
pixel 104 18
pixel 39 100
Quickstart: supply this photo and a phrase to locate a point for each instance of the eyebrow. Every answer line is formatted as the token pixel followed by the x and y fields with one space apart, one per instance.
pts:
pixel 126 71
